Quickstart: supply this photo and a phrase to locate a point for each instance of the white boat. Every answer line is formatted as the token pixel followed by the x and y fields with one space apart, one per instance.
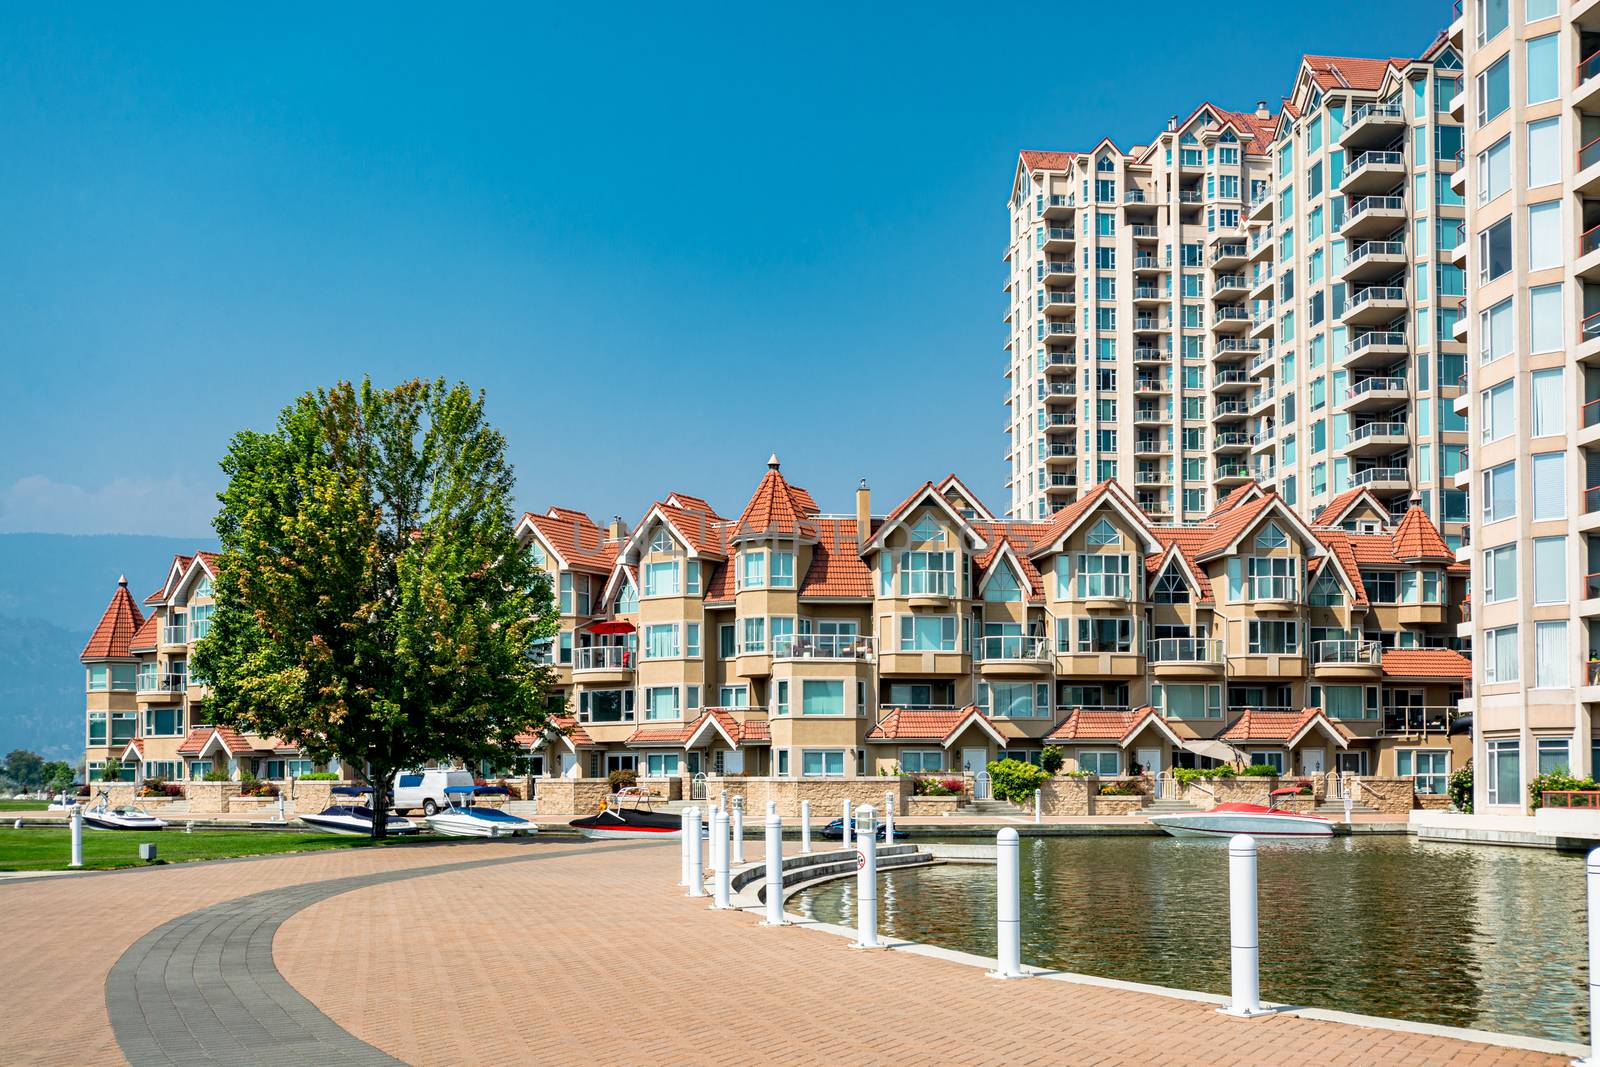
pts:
pixel 1257 820
pixel 104 817
pixel 354 819
pixel 462 819
pixel 62 802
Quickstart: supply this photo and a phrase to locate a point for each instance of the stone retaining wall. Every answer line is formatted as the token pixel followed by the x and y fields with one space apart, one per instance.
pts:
pixel 1068 796
pixel 1099 805
pixel 571 796
pixel 665 787
pixel 1243 790
pixel 827 795
pixel 932 805
pixel 1391 796
pixel 209 798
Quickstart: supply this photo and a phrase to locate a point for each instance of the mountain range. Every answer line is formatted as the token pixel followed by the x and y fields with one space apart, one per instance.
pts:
pixel 53 588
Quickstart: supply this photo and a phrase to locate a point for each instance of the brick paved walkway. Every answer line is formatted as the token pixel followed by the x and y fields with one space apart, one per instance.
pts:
pixel 581 955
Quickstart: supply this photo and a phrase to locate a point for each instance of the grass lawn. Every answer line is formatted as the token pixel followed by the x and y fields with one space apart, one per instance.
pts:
pixel 23 805
pixel 48 848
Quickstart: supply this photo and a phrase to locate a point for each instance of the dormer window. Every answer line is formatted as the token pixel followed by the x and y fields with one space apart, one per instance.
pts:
pixel 661 540
pixel 1003 587
pixel 1326 592
pixel 1270 538
pixel 1170 588
pixel 926 530
pixel 537 553
pixel 1103 533
pixel 203 588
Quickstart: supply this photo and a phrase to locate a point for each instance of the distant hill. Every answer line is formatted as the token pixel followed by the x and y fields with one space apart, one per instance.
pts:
pixel 53 588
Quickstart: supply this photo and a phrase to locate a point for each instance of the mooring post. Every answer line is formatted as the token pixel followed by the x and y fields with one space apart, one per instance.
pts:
pixel 695 865
pixel 1038 804
pixel 683 847
pixel 1008 906
pixel 774 870
pixel 1243 929
pixel 866 879
pixel 719 860
pixel 888 817
pixel 77 836
pixel 738 830
pixel 805 827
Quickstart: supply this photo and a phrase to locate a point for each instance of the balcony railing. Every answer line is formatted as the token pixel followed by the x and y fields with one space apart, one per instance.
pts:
pixel 1589 240
pixel 1185 650
pixel 1133 196
pixel 1227 439
pixel 1231 407
pixel 1374 337
pixel 1421 720
pixel 1230 281
pixel 1379 474
pixel 1061 233
pixel 1230 311
pixel 1147 292
pixel 1590 326
pixel 604 658
pixel 1376 292
pixel 1146 262
pixel 1375 248
pixel 174 635
pixel 823 646
pixel 171 682
pixel 1274 587
pixel 1352 653
pixel 1591 413
pixel 1589 154
pixel 1238 344
pixel 1014 649
pixel 1232 470
pixel 1367 159
pixel 1375 203
pixel 1588 66
pixel 1377 429
pixel 1144 231
pixel 1229 251
pixel 1370 385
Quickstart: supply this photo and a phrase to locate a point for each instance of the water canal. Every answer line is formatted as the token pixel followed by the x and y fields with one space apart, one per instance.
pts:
pixel 1472 936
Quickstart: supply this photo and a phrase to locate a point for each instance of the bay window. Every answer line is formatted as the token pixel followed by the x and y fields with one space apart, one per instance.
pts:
pixel 928 633
pixel 1102 575
pixel 821 697
pixel 1105 635
pixel 927 573
pixel 822 762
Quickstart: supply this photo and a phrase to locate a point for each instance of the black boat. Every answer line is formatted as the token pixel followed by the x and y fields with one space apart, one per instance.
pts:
pixel 834 831
pixel 354 820
pixel 616 819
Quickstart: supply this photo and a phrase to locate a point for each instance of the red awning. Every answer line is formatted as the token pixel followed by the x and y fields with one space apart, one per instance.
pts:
pixel 609 627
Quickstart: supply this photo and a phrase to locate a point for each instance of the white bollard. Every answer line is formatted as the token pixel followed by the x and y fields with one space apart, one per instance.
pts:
pixel 696 866
pixel 282 817
pixel 805 827
pixel 774 871
pixel 1349 803
pixel 1038 804
pixel 1008 906
pixel 772 807
pixel 847 824
pixel 683 847
pixel 866 880
pixel 888 818
pixel 737 829
pixel 1243 929
pixel 77 836
pixel 719 860
pixel 1593 879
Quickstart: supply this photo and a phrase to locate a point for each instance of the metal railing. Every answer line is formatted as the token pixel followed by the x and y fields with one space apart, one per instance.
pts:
pixel 1374 292
pixel 1148 354
pixel 1589 240
pixel 1230 281
pixel 1151 322
pixel 1373 337
pixel 1591 413
pixel 1231 438
pixel 1375 248
pixel 1014 648
pixel 1060 329
pixel 1229 251
pixel 1231 407
pixel 823 646
pixel 1185 650
pixel 1061 233
pixel 604 658
pixel 1371 158
pixel 1354 653
pixel 1230 377
pixel 1062 419
pixel 1227 312
pixel 1143 230
pixel 1374 110
pixel 1375 203
pixel 1232 470
pixel 1238 344
pixel 1590 326
pixel 169 682
pixel 1589 154
pixel 1058 266
pixel 1419 720
pixel 175 635
pixel 1377 429
pixel 1148 292
pixel 1146 262
pixel 1371 385
pixel 1589 66
pixel 1379 474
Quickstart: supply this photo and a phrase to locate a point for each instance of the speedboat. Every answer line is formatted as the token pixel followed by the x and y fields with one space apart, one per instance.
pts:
pixel 104 817
pixel 834 831
pixel 462 819
pixel 62 802
pixel 616 819
pixel 354 819
pixel 1257 820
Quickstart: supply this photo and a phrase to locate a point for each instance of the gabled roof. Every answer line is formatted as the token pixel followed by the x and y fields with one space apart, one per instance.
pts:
pixel 711 724
pixel 952 482
pixel 567 728
pixel 685 502
pixel 837 569
pixel 577 542
pixel 1336 509
pixel 1110 726
pixel 929 493
pixel 1439 664
pixel 1283 727
pixel 118 623
pixel 1344 72
pixel 1107 493
pixel 703 533
pixel 1231 527
pixel 144 640
pixel 175 570
pixel 1032 160
pixel 203 739
pixel 1174 557
pixel 1011 543
pixel 924 724
pixel 1239 495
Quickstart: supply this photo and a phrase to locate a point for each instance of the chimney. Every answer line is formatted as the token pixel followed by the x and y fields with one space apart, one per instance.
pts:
pixel 1261 110
pixel 863 513
pixel 616 529
pixel 772 462
pixel 1172 124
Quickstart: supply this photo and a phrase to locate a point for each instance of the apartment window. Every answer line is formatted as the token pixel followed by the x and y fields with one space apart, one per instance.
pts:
pixel 1544 152
pixel 1500 659
pixel 1494 251
pixel 1346 701
pixel 661 642
pixel 1102 575
pixel 1549 409
pixel 124 726
pixel 1542 75
pixel 1274 638
pixel 822 762
pixel 1499 411
pixel 163 722
pixel 1494 87
pixel 661 702
pixel 1544 318
pixel 97 728
pixel 1170 588
pixel 1499 573
pixel 821 697
pixel 921 761
pixel 1105 635
pixel 1500 492
pixel 1428 768
pixel 1187 701
pixel 1326 591
pixel 928 633
pixel 733 696
pixel 1504 782
pixel 1549 570
pixel 725 641
pixel 661 579
pixel 1382 586
pixel 782 570
pixel 927 573
pixel 1544 235
pixel 755 635
pixel 661 764
pixel 1538 9
pixel 1549 485
pixel 1495 331
pixel 753 570
pixel 1015 700
pixel 1550 667
pixel 1494 170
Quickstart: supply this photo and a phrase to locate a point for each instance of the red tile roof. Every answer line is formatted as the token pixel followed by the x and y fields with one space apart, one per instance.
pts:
pixel 1047 160
pixel 1417 538
pixel 562 724
pixel 692 503
pixel 1441 663
pixel 1278 726
pixel 200 736
pixel 776 507
pixel 576 539
pixel 1021 537
pixel 180 563
pixel 118 623
pixel 837 569
pixel 144 640
pixel 719 586
pixel 1335 508
pixel 706 532
pixel 747 731
pixel 923 724
pixel 1115 726
pixel 1343 72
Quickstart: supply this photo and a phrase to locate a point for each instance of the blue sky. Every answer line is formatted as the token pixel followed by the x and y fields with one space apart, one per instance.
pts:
pixel 666 242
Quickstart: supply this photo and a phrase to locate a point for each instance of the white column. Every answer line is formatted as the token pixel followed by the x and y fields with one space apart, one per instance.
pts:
pixel 694 865
pixel 888 817
pixel 805 827
pixel 737 831
pixel 76 820
pixel 1008 906
pixel 719 860
pixel 683 847
pixel 867 881
pixel 847 823
pixel 1243 933
pixel 1593 879
pixel 774 869
pixel 1038 804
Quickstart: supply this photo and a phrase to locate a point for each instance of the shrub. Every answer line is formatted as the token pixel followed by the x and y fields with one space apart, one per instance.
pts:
pixel 319 776
pixel 1118 789
pixel 215 776
pixel 1015 780
pixel 928 787
pixel 1260 770
pixel 1051 758
pixel 1555 781
pixel 112 771
pixel 1460 789
pixel 1197 774
pixel 1077 774
pixel 622 779
pixel 154 787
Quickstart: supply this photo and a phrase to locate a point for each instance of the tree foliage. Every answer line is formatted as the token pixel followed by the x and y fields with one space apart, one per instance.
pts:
pixel 373 604
pixel 1015 780
pixel 25 768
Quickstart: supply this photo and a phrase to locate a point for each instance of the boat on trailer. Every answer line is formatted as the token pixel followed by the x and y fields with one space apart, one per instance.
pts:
pixel 462 818
pixel 640 821
pixel 123 817
pixel 354 819
pixel 1257 820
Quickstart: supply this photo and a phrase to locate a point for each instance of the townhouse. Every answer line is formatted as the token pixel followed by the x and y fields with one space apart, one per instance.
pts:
pixel 143 706
pixel 1266 296
pixel 938 636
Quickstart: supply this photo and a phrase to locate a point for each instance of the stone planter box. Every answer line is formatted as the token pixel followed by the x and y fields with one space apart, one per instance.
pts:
pixel 1115 806
pixel 827 795
pixel 243 805
pixel 210 798
pixel 571 796
pixel 1068 796
pixel 919 806
pixel 1243 790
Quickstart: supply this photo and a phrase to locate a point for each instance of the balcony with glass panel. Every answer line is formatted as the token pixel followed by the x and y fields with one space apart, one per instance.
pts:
pixel 1375 393
pixel 1059 238
pixel 1369 261
pixel 1229 286
pixel 163 684
pixel 1056 272
pixel 1144 295
pixel 828 646
pixel 1234 347
pixel 1145 232
pixel 1372 126
pixel 1373 171
pixel 1149 446
pixel 1262 439
pixel 1229 255
pixel 1230 442
pixel 1146 474
pixel 1262 398
pixel 600 664
pixel 1147 264
pixel 1229 380
pixel 1185 657
pixel 1373 216
pixel 1012 654
pixel 1060 454
pixel 1341 659
pixel 1059 303
pixel 1230 318
pixel 1150 387
pixel 1374 348
pixel 1381 479
pixel 1151 354
pixel 1262 207
pixel 1230 411
pixel 1261 281
pixel 1057 207
pixel 1152 323
pixel 1376 437
pixel 1150 416
pixel 1374 305
pixel 1229 475
pixel 1059 331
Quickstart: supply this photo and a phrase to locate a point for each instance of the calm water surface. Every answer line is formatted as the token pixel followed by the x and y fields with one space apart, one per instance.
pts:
pixel 1463 936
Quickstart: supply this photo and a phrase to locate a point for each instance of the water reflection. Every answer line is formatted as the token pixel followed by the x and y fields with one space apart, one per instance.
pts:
pixel 1459 935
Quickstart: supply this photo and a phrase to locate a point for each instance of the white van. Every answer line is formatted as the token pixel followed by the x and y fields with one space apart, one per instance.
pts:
pixel 425 789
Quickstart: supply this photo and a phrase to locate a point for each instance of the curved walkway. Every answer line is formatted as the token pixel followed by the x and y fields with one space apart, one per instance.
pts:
pixel 590 954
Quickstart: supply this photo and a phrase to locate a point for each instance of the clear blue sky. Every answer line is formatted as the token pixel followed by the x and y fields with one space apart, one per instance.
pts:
pixel 666 242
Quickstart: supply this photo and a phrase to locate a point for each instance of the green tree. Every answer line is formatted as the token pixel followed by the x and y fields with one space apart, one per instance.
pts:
pixel 1015 780
pixel 373 604
pixel 112 771
pixel 25 768
pixel 58 775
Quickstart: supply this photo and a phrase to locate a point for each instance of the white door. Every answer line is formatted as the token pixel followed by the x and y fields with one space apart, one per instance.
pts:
pixel 733 762
pixel 569 765
pixel 1312 761
pixel 974 760
pixel 1148 759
